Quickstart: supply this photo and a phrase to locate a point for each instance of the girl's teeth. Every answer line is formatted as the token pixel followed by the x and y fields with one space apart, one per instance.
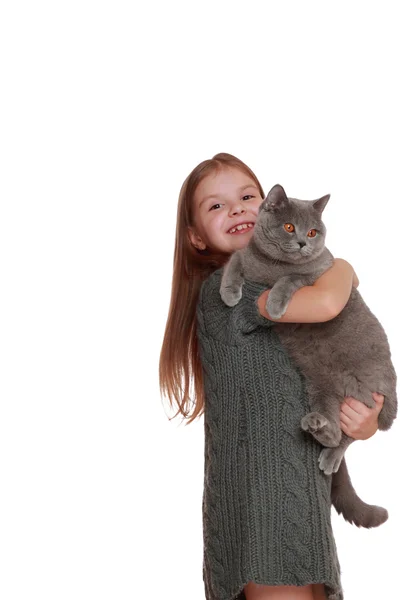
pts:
pixel 239 227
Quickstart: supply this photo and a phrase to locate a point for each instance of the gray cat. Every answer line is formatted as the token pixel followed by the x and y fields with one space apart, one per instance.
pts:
pixel 345 356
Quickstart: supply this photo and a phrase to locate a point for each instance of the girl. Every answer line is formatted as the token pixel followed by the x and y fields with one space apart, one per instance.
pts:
pixel 266 504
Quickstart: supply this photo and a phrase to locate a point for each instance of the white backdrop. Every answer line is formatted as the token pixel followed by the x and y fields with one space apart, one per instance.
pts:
pixel 105 108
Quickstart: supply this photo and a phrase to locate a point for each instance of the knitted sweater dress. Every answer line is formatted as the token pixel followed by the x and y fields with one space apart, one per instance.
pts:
pixel 266 504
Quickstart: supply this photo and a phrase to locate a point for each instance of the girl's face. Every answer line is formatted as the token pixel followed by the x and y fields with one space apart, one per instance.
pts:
pixel 222 201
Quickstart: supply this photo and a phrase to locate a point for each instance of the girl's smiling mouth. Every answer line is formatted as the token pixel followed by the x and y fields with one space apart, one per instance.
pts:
pixel 241 228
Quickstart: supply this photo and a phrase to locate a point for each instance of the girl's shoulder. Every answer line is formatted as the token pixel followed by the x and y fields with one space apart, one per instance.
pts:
pixel 231 325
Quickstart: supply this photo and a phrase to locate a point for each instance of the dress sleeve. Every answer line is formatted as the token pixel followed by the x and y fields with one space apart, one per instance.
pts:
pixel 231 325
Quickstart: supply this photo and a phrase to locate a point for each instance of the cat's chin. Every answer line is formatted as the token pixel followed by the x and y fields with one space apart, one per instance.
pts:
pixel 296 257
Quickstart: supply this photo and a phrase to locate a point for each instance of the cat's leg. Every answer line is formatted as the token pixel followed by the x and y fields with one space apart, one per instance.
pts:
pixel 388 412
pixel 232 280
pixel 282 292
pixel 323 422
pixel 330 458
pixel 387 387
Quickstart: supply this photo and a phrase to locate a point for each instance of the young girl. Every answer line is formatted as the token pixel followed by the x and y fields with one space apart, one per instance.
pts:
pixel 266 504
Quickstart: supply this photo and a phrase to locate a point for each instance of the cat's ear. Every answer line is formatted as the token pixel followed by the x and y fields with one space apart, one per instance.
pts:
pixel 320 204
pixel 275 199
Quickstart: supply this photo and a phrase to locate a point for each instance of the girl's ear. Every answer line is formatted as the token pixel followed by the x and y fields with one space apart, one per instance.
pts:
pixel 195 239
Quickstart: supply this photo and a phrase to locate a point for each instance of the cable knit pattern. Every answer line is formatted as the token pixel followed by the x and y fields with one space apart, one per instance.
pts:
pixel 266 504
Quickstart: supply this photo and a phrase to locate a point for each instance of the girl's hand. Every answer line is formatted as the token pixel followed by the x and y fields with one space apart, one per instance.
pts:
pixel 356 281
pixel 357 420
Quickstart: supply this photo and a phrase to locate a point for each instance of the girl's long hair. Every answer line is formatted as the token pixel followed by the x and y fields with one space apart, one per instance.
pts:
pixel 179 357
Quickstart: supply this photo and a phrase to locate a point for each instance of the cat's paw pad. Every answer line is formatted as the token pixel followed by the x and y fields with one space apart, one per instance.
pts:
pixel 326 433
pixel 276 307
pixel 313 422
pixel 230 296
pixel 329 460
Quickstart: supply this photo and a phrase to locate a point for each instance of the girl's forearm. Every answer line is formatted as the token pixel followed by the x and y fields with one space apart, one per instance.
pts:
pixel 321 301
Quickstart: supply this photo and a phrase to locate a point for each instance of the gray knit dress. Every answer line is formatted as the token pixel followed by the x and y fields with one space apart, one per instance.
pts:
pixel 266 504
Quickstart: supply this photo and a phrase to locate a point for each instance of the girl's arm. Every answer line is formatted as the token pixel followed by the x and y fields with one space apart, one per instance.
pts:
pixel 319 302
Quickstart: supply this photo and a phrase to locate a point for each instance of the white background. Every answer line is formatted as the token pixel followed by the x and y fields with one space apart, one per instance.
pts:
pixel 105 109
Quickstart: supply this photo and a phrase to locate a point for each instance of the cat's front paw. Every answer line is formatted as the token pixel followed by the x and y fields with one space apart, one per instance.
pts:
pixel 324 431
pixel 330 459
pixel 276 305
pixel 230 296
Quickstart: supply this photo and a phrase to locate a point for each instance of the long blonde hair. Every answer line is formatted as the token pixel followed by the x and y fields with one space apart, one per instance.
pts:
pixel 179 357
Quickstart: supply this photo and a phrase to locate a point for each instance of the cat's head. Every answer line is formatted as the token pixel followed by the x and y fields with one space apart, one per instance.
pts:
pixel 288 229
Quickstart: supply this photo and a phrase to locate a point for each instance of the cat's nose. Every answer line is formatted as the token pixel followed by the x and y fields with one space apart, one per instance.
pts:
pixel 301 244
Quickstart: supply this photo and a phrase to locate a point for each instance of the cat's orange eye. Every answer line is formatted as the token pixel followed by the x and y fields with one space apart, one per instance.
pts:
pixel 289 227
pixel 312 233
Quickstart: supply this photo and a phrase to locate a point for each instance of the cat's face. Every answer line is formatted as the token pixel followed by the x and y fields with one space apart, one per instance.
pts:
pixel 288 229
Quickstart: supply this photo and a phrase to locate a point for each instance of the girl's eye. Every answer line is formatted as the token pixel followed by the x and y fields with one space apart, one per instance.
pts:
pixel 312 233
pixel 289 227
pixel 243 198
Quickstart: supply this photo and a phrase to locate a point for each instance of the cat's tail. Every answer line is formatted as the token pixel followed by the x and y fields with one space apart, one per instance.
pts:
pixel 348 504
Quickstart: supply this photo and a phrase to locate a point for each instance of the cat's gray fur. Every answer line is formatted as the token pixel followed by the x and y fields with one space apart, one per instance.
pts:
pixel 348 355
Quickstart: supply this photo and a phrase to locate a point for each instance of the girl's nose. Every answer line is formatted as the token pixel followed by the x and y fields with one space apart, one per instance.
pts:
pixel 237 209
